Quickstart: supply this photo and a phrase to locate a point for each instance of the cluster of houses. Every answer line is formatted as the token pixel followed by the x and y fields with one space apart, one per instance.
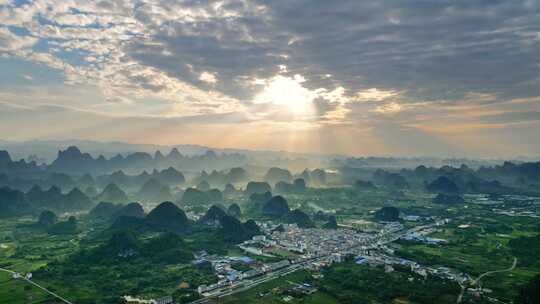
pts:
pixel 389 261
pixel 227 275
pixel 422 238
pixel 163 300
pixel 315 248
pixel 301 290
pixel 519 206
pixel 306 243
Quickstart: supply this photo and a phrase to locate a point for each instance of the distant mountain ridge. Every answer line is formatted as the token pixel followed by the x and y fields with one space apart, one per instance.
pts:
pixel 48 149
pixel 72 160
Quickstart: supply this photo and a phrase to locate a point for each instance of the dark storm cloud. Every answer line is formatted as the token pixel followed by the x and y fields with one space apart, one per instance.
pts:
pixel 232 47
pixel 430 49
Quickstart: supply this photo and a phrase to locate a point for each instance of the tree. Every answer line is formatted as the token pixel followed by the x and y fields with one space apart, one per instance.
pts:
pixel 112 193
pixel 236 231
pixel 449 199
pixel 12 203
pixel 47 218
pixel 257 187
pixel 234 210
pixel 275 175
pixel 364 185
pixel 332 223
pixel 443 184
pixel 66 227
pixel 213 214
pixel 299 218
pixel 388 214
pixel 203 186
pixel 169 217
pixel 259 198
pixel 277 206
pixel 122 241
pixel 530 293
pixel 233 230
pixel 299 185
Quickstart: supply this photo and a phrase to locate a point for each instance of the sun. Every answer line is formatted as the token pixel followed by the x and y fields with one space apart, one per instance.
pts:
pixel 287 92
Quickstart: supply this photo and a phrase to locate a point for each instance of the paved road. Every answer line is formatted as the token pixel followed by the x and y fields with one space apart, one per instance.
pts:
pixel 514 263
pixel 7 270
pixel 477 280
pixel 37 285
pixel 248 284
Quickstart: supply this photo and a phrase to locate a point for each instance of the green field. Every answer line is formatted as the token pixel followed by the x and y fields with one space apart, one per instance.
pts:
pixel 66 263
pixel 481 247
pixel 54 264
pixel 349 283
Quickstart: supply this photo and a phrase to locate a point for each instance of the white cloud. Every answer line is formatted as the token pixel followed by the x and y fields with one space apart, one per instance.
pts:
pixel 208 77
pixel 299 78
pixel 375 94
pixel 241 41
pixel 337 95
pixel 99 32
pixel 283 90
pixel 10 42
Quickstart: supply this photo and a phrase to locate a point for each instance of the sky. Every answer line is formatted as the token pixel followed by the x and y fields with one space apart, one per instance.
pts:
pixel 403 78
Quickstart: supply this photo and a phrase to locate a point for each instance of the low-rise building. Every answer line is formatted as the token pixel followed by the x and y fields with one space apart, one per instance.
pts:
pixel 164 300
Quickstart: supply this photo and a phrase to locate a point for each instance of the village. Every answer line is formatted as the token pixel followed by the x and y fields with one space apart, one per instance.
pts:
pixel 312 249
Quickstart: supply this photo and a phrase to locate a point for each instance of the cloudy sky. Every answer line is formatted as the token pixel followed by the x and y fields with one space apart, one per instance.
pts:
pixel 442 78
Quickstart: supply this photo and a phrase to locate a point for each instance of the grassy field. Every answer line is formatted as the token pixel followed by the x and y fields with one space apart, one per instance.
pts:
pixel 351 283
pixel 481 246
pixel 26 248
pixel 272 292
pixel 16 291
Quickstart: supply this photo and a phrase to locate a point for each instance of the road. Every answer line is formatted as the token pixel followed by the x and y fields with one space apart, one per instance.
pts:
pixel 477 280
pixel 36 285
pixel 514 263
pixel 248 284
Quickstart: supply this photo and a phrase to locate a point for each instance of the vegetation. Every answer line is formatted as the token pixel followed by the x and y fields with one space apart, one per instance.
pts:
pixel 443 185
pixel 47 219
pixel 65 227
pixel 236 231
pixel 300 218
pixel 530 293
pixel 234 210
pixel 373 285
pixel 448 199
pixel 112 193
pixel 257 187
pixel 167 216
pixel 526 249
pixel 331 224
pixel 277 206
pixel 114 248
pixel 388 214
